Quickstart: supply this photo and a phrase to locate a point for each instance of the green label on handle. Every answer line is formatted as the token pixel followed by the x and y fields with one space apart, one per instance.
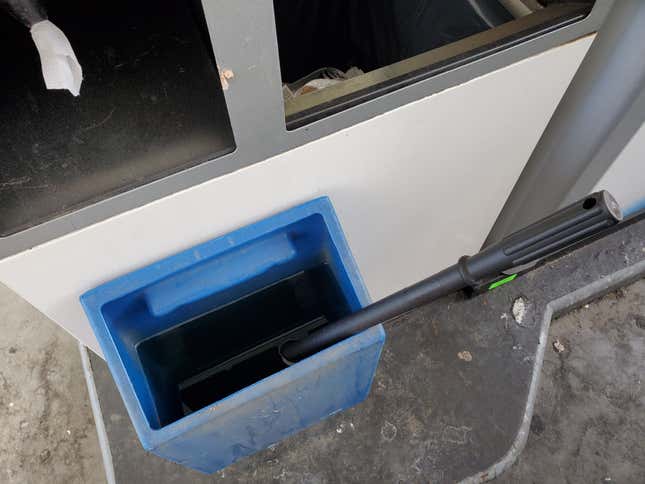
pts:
pixel 501 282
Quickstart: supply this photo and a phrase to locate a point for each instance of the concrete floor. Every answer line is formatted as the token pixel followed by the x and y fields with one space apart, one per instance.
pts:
pixel 47 432
pixel 588 424
pixel 589 420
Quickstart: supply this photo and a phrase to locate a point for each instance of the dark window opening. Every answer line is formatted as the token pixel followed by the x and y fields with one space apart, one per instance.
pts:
pixel 335 54
pixel 150 105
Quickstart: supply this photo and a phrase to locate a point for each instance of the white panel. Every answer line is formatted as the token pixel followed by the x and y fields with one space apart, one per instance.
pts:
pixel 625 178
pixel 414 188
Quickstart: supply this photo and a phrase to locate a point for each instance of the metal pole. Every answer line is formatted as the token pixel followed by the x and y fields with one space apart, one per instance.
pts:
pixel 601 95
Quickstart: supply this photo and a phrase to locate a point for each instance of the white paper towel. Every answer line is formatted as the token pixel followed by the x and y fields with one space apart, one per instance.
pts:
pixel 60 67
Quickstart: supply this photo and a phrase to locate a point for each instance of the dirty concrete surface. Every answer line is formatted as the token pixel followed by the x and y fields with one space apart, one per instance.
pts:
pixel 588 424
pixel 47 432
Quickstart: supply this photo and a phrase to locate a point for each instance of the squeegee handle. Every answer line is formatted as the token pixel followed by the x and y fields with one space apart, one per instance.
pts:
pixel 545 237
pixel 563 228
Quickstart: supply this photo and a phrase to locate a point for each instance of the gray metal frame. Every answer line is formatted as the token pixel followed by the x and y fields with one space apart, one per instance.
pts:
pixel 244 41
